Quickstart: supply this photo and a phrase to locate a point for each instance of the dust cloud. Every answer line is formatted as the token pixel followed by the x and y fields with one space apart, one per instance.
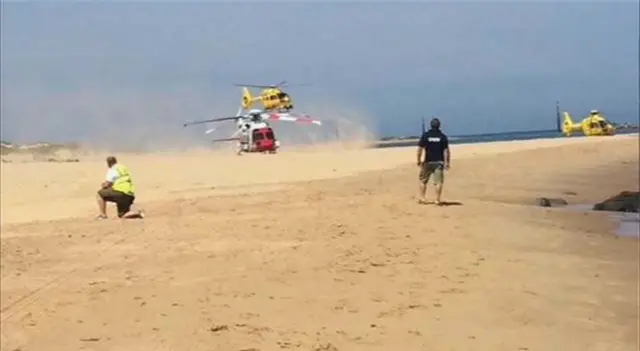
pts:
pixel 344 123
pixel 108 119
pixel 111 119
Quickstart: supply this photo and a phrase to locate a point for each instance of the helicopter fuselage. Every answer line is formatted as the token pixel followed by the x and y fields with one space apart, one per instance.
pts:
pixel 258 138
pixel 592 125
pixel 272 99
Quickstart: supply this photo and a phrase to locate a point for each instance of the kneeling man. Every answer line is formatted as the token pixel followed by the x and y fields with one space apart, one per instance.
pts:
pixel 118 188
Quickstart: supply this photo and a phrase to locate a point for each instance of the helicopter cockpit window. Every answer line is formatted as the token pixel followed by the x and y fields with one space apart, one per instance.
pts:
pixel 257 135
pixel 602 124
pixel 270 135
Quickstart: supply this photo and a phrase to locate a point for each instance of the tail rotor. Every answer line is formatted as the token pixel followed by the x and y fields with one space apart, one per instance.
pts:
pixel 247 98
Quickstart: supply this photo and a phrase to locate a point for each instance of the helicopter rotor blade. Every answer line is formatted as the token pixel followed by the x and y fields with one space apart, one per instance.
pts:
pixel 223 139
pixel 235 134
pixel 210 120
pixel 283 83
pixel 232 137
pixel 290 118
pixel 255 86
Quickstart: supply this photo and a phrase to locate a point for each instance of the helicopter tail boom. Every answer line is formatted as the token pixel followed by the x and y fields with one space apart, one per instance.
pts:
pixel 568 127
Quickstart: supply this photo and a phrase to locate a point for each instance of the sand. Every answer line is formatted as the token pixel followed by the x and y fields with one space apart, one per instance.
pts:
pixel 324 249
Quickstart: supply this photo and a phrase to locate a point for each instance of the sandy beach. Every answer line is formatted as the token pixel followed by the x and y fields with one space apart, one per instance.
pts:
pixel 324 250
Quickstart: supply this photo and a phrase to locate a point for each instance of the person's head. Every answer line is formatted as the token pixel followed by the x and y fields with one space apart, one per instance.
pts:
pixel 435 123
pixel 111 160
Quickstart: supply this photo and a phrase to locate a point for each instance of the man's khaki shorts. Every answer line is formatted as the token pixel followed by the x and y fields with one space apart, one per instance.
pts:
pixel 433 168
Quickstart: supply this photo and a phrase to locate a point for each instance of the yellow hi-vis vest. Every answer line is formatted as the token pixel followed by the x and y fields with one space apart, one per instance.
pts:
pixel 123 183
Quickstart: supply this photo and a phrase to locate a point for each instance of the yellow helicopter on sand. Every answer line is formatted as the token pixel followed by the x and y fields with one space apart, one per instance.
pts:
pixel 272 97
pixel 595 124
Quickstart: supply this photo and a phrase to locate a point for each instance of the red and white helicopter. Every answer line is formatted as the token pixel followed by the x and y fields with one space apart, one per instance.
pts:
pixel 254 134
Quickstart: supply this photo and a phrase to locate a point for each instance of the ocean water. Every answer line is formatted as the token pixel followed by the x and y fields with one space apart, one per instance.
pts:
pixel 506 136
pixel 629 225
pixel 491 137
pixel 628 222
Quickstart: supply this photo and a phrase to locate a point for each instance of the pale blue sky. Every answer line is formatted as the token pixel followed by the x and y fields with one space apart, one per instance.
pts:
pixel 71 68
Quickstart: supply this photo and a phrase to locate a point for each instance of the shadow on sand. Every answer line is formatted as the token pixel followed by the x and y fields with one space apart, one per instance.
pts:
pixel 450 203
pixel 442 203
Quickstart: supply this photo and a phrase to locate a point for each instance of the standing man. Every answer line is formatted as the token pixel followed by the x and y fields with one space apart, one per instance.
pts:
pixel 243 139
pixel 118 188
pixel 437 159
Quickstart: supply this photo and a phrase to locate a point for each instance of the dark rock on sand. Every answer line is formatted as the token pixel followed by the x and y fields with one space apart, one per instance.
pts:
pixel 551 202
pixel 626 201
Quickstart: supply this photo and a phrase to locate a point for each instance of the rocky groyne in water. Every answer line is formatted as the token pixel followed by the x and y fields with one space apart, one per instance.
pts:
pixel 623 207
pixel 626 201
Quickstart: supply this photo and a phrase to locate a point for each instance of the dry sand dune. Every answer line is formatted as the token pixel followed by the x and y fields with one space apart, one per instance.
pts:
pixel 324 249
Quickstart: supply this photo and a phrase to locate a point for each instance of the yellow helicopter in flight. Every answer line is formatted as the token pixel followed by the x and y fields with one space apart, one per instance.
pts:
pixel 272 97
pixel 595 124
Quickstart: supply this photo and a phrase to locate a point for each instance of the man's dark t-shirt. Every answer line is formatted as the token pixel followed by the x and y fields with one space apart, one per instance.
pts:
pixel 435 142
